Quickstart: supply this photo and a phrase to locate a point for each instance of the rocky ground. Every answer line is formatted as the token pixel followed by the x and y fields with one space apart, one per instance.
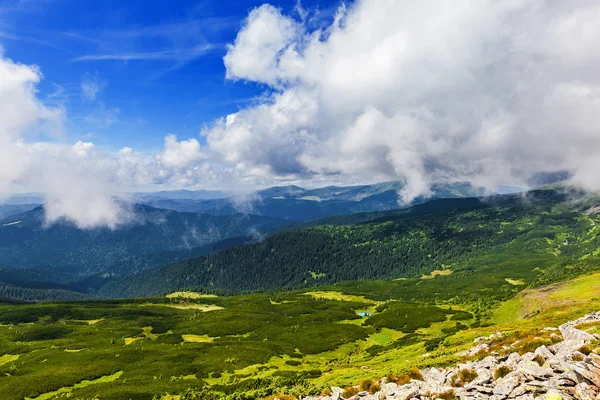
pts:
pixel 564 370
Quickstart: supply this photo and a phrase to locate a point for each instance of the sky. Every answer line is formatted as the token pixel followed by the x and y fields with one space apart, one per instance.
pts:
pixel 129 74
pixel 102 99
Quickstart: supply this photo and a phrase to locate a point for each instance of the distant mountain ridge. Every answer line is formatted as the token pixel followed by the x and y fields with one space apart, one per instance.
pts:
pixel 298 204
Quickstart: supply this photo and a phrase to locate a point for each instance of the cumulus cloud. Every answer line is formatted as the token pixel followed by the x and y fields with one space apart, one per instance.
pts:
pixel 422 91
pixel 180 154
pixel 425 91
pixel 80 183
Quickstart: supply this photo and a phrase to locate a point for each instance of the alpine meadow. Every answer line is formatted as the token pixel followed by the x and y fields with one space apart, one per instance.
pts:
pixel 299 200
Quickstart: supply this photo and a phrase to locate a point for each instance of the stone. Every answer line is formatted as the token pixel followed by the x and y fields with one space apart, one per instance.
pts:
pixel 479 348
pixel 504 386
pixel 532 370
pixel 390 389
pixel 433 375
pixel 513 360
pixel 554 336
pixel 591 375
pixel 483 376
pixel 489 362
pixel 544 352
pixel 518 392
pixel 336 392
pixel 570 333
pixel 583 391
pixel 552 395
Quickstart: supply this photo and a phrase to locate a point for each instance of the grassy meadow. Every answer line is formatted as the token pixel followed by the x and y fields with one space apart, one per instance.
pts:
pixel 256 345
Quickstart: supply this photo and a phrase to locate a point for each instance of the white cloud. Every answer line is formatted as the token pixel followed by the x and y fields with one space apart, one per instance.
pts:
pixel 421 91
pixel 91 86
pixel 255 53
pixel 180 154
pixel 80 183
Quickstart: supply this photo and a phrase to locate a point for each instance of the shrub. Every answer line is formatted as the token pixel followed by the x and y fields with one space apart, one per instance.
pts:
pixel 293 363
pixel 532 346
pixel 326 392
pixel 448 395
pixel 416 375
pixel 540 360
pixel 349 391
pixel 577 357
pixel 585 350
pixel 466 376
pixel 502 371
pixel 369 385
pixel 399 380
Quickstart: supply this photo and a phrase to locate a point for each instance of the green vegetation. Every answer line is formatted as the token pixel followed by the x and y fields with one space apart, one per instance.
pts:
pixel 448 241
pixel 300 340
pixel 502 371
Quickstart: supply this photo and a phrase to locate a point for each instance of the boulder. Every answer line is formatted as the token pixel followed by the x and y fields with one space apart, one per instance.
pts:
pixel 574 334
pixel 479 348
pixel 504 386
pixel 532 370
pixel 583 391
pixel 587 373
pixel 543 351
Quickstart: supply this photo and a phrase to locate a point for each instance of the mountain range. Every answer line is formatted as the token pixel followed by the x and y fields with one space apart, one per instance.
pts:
pixel 298 204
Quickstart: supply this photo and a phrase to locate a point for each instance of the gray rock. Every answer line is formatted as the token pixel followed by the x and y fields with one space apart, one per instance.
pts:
pixel 479 348
pixel 434 376
pixel 532 370
pixel 587 373
pixel 583 391
pixel 484 376
pixel 336 392
pixel 570 333
pixel 513 360
pixel 504 386
pixel 544 352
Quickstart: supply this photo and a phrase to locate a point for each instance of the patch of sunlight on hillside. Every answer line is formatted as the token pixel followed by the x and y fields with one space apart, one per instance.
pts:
pixel 67 389
pixel 197 338
pixel 555 302
pixel 190 306
pixel 5 359
pixel 190 295
pixel 437 272
pixel 324 295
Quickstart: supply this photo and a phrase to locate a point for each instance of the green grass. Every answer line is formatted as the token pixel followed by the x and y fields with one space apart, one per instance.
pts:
pixel 258 344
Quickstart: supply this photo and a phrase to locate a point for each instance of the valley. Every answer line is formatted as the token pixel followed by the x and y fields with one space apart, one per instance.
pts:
pixel 385 293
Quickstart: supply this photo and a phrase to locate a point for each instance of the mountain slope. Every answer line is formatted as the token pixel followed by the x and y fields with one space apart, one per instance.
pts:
pixel 26 241
pixel 7 210
pixel 544 229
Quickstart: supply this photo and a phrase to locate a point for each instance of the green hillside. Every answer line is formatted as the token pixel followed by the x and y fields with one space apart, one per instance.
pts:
pixel 546 230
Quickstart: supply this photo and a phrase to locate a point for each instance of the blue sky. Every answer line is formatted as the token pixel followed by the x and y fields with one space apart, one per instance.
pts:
pixel 157 66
